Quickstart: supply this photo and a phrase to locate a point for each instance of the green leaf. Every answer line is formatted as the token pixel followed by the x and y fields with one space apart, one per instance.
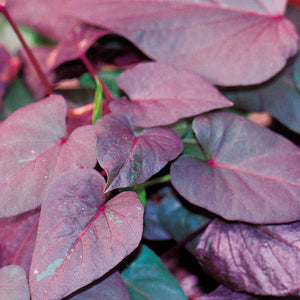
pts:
pixel 147 278
pixel 17 96
pixel 180 222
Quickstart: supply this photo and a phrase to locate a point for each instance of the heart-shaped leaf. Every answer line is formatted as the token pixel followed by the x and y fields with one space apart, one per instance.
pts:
pixel 161 94
pixel 110 288
pixel 146 272
pixel 80 238
pixel 14 283
pixel 17 236
pixel 228 42
pixel 128 159
pixel 35 149
pixel 262 261
pixel 251 174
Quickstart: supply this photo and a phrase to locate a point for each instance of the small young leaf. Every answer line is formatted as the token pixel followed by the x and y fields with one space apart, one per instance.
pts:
pixel 245 258
pixel 161 94
pixel 128 159
pixel 80 237
pixel 110 288
pixel 148 278
pixel 251 174
pixel 35 149
pixel 13 283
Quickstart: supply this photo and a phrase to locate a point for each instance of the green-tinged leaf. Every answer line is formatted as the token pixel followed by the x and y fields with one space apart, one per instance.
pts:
pixel 296 72
pixel 17 96
pixel 147 278
pixel 153 229
pixel 140 190
pixel 179 222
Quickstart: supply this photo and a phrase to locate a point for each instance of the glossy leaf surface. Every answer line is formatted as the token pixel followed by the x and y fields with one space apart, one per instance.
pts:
pixel 226 43
pixel 161 94
pixel 83 237
pixel 246 258
pixel 148 271
pixel 128 159
pixel 251 174
pixel 35 150
pixel 13 283
pixel 179 221
pixel 17 236
pixel 110 288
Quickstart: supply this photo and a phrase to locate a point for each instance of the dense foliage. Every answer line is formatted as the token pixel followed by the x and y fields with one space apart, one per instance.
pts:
pixel 129 123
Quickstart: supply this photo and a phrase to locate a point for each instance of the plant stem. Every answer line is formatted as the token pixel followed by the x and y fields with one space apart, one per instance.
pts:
pixel 93 72
pixel 159 180
pixel 32 58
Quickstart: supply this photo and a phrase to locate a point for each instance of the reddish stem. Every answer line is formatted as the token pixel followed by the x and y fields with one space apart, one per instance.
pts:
pixel 32 58
pixel 93 72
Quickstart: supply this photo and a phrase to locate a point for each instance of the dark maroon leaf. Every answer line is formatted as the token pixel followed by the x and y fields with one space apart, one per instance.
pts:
pixel 77 42
pixel 161 94
pixel 251 174
pixel 13 283
pixel 278 96
pixel 9 67
pixel 246 258
pixel 111 288
pixel 80 238
pixel 128 159
pixel 223 293
pixel 230 43
pixel 17 239
pixel 35 149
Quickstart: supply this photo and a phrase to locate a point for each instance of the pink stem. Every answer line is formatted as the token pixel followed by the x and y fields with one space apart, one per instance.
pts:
pixel 93 72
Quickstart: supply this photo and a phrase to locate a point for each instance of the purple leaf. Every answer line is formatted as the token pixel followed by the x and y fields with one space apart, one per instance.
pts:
pixel 128 159
pixel 278 96
pixel 14 283
pixel 251 174
pixel 161 95
pixel 35 149
pixel 223 293
pixel 44 16
pixel 17 236
pixel 80 238
pixel 111 288
pixel 246 258
pixel 229 44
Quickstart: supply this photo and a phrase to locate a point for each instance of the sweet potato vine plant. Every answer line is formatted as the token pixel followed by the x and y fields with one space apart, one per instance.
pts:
pixel 153 142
